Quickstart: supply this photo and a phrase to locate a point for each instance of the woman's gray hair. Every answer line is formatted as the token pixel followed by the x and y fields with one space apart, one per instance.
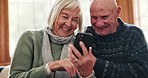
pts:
pixel 59 5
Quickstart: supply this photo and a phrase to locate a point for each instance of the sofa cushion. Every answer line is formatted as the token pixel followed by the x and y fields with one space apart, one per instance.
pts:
pixel 5 72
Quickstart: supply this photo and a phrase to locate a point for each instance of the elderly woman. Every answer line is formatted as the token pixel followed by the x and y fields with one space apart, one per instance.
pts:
pixel 44 53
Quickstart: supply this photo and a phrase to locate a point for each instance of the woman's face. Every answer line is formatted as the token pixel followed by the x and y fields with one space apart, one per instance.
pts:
pixel 66 23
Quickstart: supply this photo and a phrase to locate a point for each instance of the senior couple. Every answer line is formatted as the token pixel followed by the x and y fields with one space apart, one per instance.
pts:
pixel 119 49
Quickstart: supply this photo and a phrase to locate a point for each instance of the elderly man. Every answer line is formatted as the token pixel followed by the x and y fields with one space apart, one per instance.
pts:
pixel 120 48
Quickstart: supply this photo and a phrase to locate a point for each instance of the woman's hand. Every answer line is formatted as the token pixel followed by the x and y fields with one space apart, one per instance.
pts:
pixel 85 62
pixel 63 65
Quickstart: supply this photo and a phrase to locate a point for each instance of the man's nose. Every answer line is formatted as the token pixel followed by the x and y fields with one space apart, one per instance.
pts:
pixel 99 22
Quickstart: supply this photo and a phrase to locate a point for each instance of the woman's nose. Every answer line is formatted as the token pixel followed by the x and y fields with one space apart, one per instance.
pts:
pixel 68 22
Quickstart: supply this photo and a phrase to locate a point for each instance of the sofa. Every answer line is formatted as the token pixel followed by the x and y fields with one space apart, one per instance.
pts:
pixel 4 71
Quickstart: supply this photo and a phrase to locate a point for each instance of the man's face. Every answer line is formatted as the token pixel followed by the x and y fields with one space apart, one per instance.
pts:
pixel 103 20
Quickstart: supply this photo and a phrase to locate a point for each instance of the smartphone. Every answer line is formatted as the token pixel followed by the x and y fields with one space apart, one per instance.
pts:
pixel 86 38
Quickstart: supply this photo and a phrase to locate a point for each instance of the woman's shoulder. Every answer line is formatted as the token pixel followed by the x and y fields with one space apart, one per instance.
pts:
pixel 32 33
pixel 30 36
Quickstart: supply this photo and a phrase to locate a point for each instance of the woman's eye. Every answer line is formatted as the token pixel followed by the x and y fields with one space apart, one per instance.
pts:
pixel 65 17
pixel 75 20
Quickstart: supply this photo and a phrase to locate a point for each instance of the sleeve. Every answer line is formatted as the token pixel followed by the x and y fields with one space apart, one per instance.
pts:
pixel 90 76
pixel 137 61
pixel 22 64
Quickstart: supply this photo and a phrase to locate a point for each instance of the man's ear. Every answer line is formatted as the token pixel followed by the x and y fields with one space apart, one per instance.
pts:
pixel 118 10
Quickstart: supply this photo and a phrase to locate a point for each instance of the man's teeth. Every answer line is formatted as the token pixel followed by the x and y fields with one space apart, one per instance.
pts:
pixel 103 27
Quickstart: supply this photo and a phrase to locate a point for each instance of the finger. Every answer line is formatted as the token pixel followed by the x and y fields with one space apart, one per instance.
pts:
pixel 90 50
pixel 73 58
pixel 84 49
pixel 71 55
pixel 69 67
pixel 75 52
pixel 64 63
pixel 54 66
pixel 73 70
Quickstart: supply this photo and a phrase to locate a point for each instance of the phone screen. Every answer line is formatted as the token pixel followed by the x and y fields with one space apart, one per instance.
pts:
pixel 86 38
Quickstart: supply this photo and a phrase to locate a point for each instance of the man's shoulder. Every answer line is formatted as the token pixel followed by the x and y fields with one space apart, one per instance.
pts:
pixel 133 28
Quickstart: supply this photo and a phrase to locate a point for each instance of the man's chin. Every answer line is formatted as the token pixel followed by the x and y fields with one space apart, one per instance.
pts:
pixel 102 34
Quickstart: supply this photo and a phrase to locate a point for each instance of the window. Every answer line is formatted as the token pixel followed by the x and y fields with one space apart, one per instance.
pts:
pixel 32 14
pixel 24 15
pixel 140 15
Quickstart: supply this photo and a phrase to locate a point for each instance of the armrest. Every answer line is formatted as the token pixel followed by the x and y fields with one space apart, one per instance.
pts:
pixel 5 71
pixel 1 68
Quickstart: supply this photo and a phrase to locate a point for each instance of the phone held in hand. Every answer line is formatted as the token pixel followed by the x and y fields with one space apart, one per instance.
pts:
pixel 86 38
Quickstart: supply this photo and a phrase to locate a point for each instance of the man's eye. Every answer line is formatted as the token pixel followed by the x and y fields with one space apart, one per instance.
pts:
pixel 105 17
pixel 93 17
